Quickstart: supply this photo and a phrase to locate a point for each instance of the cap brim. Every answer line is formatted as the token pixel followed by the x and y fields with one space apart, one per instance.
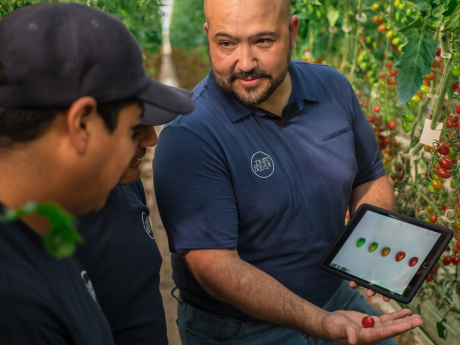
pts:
pixel 163 103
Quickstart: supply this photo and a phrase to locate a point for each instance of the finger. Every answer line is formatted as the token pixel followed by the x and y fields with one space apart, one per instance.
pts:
pixel 370 293
pixel 352 335
pixel 396 315
pixel 409 319
pixel 353 285
pixel 386 299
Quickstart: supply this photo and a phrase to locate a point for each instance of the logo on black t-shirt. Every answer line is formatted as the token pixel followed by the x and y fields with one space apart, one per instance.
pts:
pixel 89 286
pixel 147 226
pixel 262 164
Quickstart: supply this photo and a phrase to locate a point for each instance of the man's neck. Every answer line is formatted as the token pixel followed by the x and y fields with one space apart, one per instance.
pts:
pixel 280 98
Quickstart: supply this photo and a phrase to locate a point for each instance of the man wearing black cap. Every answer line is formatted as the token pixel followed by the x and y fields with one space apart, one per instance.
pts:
pixel 72 89
pixel 121 255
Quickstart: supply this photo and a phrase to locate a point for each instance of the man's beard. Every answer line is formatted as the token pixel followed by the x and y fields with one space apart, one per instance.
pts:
pixel 249 96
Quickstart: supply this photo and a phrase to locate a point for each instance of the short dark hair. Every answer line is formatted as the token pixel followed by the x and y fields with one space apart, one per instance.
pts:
pixel 20 125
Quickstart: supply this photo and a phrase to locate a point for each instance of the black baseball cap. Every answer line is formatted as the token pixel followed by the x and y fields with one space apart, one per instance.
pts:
pixel 55 53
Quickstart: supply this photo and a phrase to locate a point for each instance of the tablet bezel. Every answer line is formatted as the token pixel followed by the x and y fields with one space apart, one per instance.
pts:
pixel 422 272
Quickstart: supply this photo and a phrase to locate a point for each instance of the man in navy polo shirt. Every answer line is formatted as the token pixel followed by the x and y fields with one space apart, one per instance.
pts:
pixel 254 185
pixel 121 255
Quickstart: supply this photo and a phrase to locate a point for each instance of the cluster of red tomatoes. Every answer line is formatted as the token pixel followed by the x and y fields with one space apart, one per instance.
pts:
pixel 447 260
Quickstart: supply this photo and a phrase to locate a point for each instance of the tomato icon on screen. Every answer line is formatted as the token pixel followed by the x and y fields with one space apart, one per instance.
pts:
pixel 372 247
pixel 400 256
pixel 413 261
pixel 386 251
pixel 360 242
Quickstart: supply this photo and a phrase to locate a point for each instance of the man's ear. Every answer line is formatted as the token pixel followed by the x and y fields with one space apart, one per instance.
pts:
pixel 293 28
pixel 80 113
pixel 206 28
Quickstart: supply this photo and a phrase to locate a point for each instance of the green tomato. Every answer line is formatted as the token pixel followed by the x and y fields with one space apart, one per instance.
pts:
pixel 431 188
pixel 383 100
pixel 403 20
pixel 372 80
pixel 370 74
pixel 360 242
pixel 452 183
pixel 391 94
pixel 424 89
pixel 360 59
pixel 390 34
pixel 409 12
pixel 372 247
pixel 392 111
pixel 408 117
pixel 368 39
pixel 382 84
pixel 456 71
pixel 383 109
pixel 397 16
pixel 415 98
pixel 402 7
pixel 374 66
pixel 406 127
pixel 427 219
pixel 411 105
pixel 363 65
pixel 391 103
pixel 397 41
pixel 443 200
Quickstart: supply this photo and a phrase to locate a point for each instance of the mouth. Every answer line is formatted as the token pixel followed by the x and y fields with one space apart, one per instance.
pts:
pixel 249 82
pixel 136 161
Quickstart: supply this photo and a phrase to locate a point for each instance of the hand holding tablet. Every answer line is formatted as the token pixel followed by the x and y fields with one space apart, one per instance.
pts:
pixel 386 252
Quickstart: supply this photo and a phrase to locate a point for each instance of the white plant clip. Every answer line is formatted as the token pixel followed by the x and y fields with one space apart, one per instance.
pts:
pixel 446 55
pixel 362 18
pixel 346 29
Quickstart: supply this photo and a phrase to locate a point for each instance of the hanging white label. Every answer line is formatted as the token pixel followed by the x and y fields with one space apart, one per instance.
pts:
pixel 430 135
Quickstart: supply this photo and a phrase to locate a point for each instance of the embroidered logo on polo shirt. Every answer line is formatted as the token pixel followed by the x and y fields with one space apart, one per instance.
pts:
pixel 147 226
pixel 89 286
pixel 262 164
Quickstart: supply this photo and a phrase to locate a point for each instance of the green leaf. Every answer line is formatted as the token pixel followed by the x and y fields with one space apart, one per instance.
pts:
pixel 450 8
pixel 422 5
pixel 414 64
pixel 332 15
pixel 442 331
pixel 414 25
pixel 452 21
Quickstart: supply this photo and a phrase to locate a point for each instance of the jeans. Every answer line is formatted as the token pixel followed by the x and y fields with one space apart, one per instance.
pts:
pixel 199 327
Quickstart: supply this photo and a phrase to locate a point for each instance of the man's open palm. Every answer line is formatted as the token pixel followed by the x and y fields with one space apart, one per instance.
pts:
pixel 345 326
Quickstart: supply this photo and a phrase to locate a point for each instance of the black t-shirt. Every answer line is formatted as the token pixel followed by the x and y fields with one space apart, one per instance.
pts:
pixel 123 261
pixel 42 300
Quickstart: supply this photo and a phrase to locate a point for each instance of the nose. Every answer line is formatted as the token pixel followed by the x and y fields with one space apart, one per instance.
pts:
pixel 147 137
pixel 247 60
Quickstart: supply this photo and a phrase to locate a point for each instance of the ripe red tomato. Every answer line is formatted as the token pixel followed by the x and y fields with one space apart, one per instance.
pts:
pixel 455 260
pixel 438 51
pixel 391 125
pixel 447 261
pixel 429 279
pixel 382 76
pixel 454 86
pixel 444 173
pixel 433 219
pixel 394 72
pixel 389 64
pixel 458 245
pixel 382 28
pixel 447 164
pixel 376 109
pixel 400 256
pixel 368 322
pixel 444 150
pixel 457 110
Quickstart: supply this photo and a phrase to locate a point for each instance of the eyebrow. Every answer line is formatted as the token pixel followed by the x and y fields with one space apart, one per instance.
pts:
pixel 259 34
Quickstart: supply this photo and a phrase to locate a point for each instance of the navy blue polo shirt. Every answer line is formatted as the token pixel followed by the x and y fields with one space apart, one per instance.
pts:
pixel 123 261
pixel 44 301
pixel 226 176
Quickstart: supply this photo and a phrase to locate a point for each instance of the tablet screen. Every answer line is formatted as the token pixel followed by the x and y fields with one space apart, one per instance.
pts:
pixel 385 251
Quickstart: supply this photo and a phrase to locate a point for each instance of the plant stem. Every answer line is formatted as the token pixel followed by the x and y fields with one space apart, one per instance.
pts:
pixel 356 44
pixel 444 83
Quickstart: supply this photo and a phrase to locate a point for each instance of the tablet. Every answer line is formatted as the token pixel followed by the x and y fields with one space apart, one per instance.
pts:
pixel 387 252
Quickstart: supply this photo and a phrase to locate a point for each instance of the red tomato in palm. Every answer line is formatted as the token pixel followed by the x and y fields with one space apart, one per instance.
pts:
pixel 400 256
pixel 446 164
pixel 368 322
pixel 444 173
pixel 444 150
pixel 433 219
pixel 455 260
pixel 413 261
pixel 446 261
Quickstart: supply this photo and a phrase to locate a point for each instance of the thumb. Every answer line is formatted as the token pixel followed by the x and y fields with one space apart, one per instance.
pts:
pixel 352 334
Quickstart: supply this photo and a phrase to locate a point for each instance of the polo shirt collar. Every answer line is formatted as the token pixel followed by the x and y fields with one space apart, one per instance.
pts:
pixel 301 91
